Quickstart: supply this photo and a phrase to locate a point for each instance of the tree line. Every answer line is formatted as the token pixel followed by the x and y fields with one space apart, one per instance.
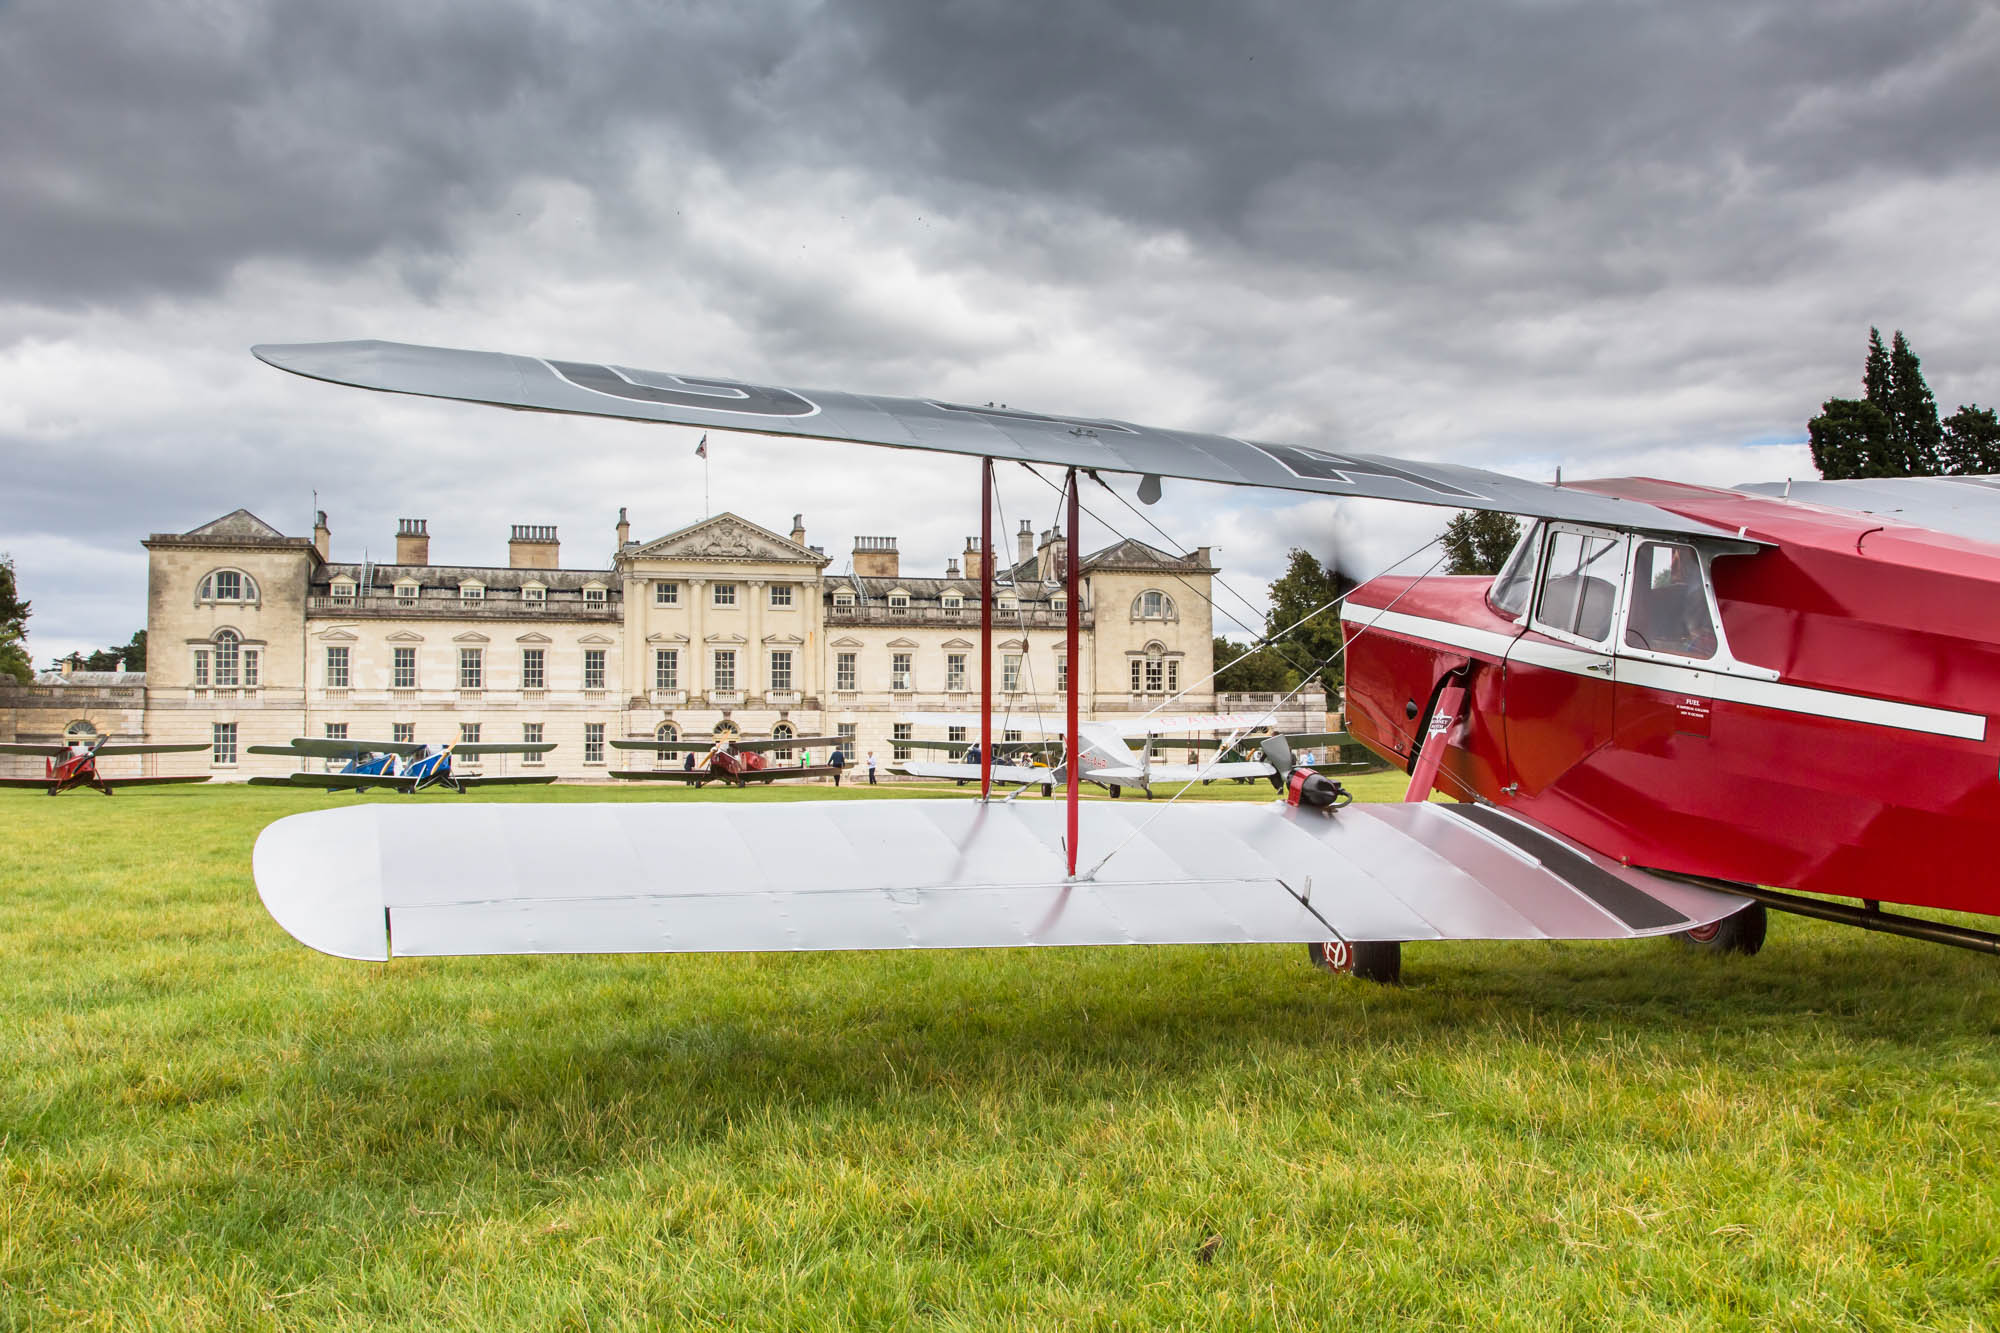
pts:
pixel 1893 429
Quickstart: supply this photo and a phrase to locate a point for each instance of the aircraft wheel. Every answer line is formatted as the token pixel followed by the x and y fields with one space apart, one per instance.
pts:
pixel 1371 960
pixel 1742 933
pixel 1114 791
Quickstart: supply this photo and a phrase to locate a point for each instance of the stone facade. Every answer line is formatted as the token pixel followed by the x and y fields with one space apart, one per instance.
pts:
pixel 255 637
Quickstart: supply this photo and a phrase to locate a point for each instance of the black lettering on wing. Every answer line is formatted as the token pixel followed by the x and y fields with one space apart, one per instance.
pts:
pixel 756 400
pixel 1324 466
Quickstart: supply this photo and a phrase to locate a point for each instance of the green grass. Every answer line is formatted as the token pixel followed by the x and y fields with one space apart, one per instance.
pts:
pixel 206 1125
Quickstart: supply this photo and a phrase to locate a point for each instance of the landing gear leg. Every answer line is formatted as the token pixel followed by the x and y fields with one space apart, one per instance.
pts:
pixel 1742 933
pixel 1371 960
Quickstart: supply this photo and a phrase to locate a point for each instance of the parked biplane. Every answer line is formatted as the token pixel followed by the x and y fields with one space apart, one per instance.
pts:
pixel 1675 706
pixel 1106 758
pixel 71 764
pixel 729 760
pixel 405 766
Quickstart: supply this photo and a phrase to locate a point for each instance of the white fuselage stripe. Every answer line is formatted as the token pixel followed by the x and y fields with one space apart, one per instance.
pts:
pixel 1688 680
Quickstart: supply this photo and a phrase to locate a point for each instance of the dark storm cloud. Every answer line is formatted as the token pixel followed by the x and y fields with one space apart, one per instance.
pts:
pixel 150 147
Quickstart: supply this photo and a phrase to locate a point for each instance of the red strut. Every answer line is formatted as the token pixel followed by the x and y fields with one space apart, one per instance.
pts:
pixel 1074 606
pixel 985 628
pixel 1423 777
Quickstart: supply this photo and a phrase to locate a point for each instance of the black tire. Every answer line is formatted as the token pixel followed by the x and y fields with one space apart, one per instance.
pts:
pixel 1380 961
pixel 1115 791
pixel 1742 933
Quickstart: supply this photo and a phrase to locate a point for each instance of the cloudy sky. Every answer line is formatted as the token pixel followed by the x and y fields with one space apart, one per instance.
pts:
pixel 1618 238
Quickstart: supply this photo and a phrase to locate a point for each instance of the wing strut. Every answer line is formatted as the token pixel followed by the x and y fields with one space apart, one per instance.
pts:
pixel 1073 607
pixel 985 629
pixel 1431 753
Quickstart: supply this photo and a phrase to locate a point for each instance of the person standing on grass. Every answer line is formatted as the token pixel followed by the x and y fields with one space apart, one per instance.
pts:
pixel 839 761
pixel 871 768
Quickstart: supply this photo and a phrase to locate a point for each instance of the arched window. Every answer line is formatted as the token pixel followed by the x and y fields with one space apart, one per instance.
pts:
pixel 1153 604
pixel 80 730
pixel 1155 672
pixel 666 731
pixel 727 730
pixel 227 585
pixel 783 731
pixel 228 658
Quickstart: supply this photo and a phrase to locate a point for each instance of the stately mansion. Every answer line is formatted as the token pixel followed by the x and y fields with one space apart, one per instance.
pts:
pixel 722 627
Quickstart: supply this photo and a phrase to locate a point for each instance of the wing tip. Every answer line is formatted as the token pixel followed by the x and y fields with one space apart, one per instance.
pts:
pixel 303 865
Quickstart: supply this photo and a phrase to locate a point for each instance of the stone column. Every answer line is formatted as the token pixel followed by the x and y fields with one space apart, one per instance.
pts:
pixel 694 672
pixel 757 671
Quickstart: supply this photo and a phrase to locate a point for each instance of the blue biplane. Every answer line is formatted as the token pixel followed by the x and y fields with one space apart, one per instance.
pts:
pixel 406 766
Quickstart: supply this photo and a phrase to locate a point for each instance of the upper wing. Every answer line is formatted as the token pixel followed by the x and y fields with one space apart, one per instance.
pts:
pixel 522 780
pixel 682 876
pixel 43 751
pixel 188 748
pixel 466 749
pixel 313 747
pixel 592 389
pixel 1961 506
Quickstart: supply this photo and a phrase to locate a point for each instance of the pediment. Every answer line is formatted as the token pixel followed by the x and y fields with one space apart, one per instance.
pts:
pixel 666 638
pixel 902 643
pixel 724 638
pixel 470 636
pixel 727 538
pixel 958 643
pixel 847 642
pixel 406 636
pixel 238 525
pixel 335 636
pixel 534 638
pixel 594 639
pixel 782 638
pixel 1017 645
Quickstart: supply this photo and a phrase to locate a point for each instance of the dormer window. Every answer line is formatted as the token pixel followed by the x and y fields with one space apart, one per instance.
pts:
pixel 1009 602
pixel 406 594
pixel 843 598
pixel 594 594
pixel 343 592
pixel 471 592
pixel 953 601
pixel 1059 602
pixel 899 603
pixel 534 594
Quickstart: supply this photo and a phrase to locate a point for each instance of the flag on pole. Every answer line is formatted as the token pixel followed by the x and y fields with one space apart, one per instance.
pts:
pixel 701 450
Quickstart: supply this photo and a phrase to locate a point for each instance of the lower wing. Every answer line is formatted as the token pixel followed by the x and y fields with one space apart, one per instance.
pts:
pixel 1248 768
pixel 1027 777
pixel 521 780
pixel 154 782
pixel 366 881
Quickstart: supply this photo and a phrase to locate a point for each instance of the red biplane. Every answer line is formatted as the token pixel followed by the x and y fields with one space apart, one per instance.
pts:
pixel 732 762
pixel 1674 707
pixel 74 764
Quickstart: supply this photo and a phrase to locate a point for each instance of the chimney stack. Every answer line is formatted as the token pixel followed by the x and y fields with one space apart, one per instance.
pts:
pixel 799 529
pixel 624 530
pixel 1024 542
pixel 876 558
pixel 413 541
pixel 951 569
pixel 533 546
pixel 322 535
pixel 972 558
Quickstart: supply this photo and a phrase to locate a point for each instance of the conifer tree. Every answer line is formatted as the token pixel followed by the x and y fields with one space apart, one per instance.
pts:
pixel 1913 413
pixel 1972 442
pixel 1478 541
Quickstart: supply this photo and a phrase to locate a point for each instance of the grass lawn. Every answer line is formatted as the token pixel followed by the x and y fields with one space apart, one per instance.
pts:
pixel 205 1125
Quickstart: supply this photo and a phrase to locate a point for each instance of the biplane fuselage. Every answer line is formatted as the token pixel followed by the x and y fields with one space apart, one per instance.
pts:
pixel 1836 739
pixel 78 770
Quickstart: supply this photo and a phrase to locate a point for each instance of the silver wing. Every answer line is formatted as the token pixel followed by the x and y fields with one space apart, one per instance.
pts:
pixel 1961 506
pixel 591 389
pixel 371 880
